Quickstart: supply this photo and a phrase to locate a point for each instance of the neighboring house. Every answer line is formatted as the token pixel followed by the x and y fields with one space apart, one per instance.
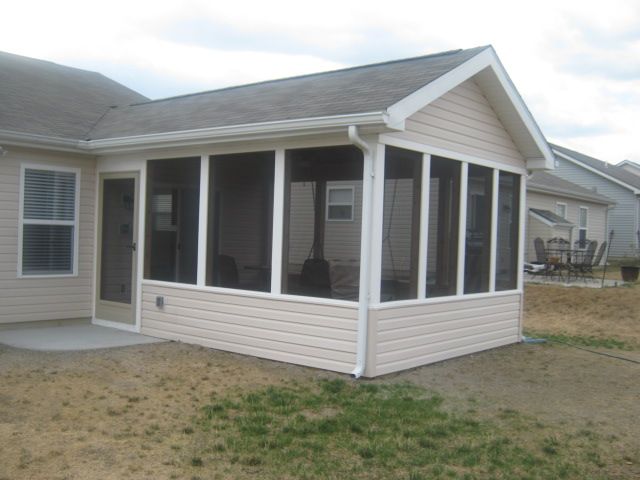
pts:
pixel 561 209
pixel 629 166
pixel 613 182
pixel 364 220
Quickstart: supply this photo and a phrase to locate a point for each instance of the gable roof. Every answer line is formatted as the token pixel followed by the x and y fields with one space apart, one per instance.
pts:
pixel 550 218
pixel 363 89
pixel 43 98
pixel 544 182
pixel 611 172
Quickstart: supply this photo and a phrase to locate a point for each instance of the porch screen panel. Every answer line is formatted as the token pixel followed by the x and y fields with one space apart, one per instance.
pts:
pixel 49 220
pixel 508 231
pixel 172 209
pixel 321 256
pixel 241 221
pixel 478 234
pixel 401 224
pixel 444 208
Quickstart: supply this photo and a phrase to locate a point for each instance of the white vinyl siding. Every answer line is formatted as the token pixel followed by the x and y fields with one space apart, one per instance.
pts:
pixel 42 298
pixel 49 220
pixel 463 121
pixel 414 335
pixel 301 332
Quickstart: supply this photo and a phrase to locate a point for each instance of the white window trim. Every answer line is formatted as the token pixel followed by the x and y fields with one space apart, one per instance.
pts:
pixel 586 227
pixel 566 209
pixel 74 223
pixel 350 204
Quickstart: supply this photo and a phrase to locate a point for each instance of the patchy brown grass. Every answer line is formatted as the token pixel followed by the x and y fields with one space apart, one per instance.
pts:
pixel 609 313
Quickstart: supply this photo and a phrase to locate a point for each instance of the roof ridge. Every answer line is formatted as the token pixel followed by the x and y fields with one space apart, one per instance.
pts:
pixel 308 75
pixel 49 62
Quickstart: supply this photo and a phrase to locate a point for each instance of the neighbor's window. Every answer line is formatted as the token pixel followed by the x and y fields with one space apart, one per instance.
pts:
pixel 340 203
pixel 508 231
pixel 478 234
pixel 561 210
pixel 401 224
pixel 582 227
pixel 444 207
pixel 49 221
pixel 173 203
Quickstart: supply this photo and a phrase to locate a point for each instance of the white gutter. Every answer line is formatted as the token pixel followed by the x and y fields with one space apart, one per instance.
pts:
pixel 33 140
pixel 365 254
pixel 253 131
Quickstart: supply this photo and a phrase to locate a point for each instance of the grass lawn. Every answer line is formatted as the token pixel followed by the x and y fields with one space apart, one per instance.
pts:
pixel 175 411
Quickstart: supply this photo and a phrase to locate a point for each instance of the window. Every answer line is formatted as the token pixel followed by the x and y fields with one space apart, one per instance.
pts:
pixel 173 204
pixel 444 208
pixel 321 258
pixel 561 210
pixel 240 221
pixel 401 224
pixel 49 221
pixel 582 227
pixel 340 204
pixel 478 232
pixel 508 231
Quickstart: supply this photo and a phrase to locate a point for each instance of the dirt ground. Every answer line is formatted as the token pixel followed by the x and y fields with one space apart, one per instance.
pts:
pixel 128 413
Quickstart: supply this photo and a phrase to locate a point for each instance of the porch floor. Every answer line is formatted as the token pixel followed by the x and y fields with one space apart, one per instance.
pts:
pixel 72 337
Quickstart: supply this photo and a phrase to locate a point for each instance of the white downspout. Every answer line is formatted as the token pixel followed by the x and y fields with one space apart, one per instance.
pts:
pixel 365 253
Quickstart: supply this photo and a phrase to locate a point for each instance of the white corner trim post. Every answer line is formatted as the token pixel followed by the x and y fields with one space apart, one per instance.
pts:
pixel 425 193
pixel 365 250
pixel 462 227
pixel 493 244
pixel 203 220
pixel 278 222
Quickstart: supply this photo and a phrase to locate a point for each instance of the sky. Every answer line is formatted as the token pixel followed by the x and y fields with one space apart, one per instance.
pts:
pixel 575 63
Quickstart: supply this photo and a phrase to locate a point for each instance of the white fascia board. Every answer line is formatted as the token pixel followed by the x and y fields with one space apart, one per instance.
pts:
pixel 32 140
pixel 409 105
pixel 254 131
pixel 564 193
pixel 597 172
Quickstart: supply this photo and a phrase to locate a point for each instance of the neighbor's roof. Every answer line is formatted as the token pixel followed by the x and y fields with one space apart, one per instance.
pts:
pixel 613 171
pixel 44 98
pixel 548 183
pixel 365 89
pixel 551 217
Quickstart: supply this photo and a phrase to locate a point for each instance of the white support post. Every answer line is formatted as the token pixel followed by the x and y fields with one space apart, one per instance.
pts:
pixel 424 225
pixel 462 227
pixel 203 221
pixel 521 230
pixel 377 219
pixel 278 222
pixel 493 246
pixel 142 223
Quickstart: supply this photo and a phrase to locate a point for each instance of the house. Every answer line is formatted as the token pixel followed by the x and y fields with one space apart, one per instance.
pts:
pixel 557 208
pixel 629 166
pixel 265 219
pixel 615 183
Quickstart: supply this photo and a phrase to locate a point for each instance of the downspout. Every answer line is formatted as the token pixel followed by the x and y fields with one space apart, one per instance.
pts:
pixel 365 254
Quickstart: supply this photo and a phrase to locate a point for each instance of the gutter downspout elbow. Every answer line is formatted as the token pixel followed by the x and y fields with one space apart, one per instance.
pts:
pixel 365 253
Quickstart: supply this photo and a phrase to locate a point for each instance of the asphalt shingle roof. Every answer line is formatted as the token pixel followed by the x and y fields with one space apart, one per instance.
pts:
pixel 549 182
pixel 551 217
pixel 370 88
pixel 614 171
pixel 43 98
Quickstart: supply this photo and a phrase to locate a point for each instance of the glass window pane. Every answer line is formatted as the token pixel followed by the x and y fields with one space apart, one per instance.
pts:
pixel 49 195
pixel 583 217
pixel 444 200
pixel 508 231
pixel 240 221
pixel 401 224
pixel 320 258
pixel 478 234
pixel 47 249
pixel 340 212
pixel 173 198
pixel 340 195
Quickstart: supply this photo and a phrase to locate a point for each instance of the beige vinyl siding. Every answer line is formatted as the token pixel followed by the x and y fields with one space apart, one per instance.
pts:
pixel 534 229
pixel 410 336
pixel 305 333
pixel 463 121
pixel 596 220
pixel 38 299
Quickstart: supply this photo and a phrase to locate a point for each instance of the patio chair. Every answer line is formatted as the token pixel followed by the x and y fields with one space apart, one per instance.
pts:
pixel 541 258
pixel 588 268
pixel 228 271
pixel 315 279
pixel 585 265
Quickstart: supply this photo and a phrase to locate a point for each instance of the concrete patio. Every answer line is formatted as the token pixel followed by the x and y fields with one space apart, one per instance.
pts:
pixel 72 337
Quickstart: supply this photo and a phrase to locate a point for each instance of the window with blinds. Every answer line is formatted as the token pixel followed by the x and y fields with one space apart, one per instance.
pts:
pixel 49 221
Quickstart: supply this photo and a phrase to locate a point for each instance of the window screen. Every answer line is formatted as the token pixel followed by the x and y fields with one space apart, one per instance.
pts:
pixel 48 221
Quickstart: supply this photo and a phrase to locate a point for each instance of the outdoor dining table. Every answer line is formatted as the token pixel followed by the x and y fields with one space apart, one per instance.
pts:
pixel 565 259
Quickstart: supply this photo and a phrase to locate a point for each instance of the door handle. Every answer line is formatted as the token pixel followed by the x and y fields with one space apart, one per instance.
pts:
pixel 132 246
